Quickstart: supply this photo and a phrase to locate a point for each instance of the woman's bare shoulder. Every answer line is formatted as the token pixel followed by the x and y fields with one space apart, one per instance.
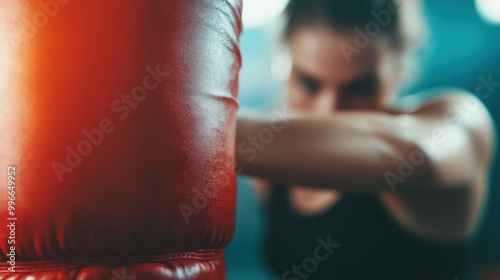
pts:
pixel 438 96
pixel 459 106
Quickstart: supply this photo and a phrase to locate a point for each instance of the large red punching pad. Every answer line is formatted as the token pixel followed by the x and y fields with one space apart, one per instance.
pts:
pixel 117 138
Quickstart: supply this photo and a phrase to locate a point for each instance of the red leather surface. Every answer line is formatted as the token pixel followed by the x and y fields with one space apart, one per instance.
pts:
pixel 119 116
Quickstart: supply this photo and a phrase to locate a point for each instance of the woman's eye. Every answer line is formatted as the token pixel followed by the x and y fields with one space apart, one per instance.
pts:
pixel 309 85
pixel 367 92
pixel 363 88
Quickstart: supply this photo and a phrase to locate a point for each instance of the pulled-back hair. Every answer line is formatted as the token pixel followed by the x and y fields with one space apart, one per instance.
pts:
pixel 404 29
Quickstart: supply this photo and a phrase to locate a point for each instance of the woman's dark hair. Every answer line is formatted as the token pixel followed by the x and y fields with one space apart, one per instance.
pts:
pixel 400 21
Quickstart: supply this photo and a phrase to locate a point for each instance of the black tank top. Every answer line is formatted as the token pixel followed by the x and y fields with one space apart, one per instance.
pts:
pixel 355 239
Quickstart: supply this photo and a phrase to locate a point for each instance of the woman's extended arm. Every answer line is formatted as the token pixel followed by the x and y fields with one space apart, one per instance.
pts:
pixel 436 146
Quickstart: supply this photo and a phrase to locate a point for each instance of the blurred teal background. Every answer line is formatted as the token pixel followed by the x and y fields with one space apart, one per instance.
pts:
pixel 461 48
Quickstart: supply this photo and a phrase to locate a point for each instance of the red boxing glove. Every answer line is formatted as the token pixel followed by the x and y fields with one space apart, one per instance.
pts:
pixel 117 144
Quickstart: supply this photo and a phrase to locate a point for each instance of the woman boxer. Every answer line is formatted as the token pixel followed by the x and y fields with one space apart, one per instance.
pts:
pixel 359 182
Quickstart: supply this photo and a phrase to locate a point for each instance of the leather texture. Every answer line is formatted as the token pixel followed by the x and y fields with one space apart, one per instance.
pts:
pixel 119 117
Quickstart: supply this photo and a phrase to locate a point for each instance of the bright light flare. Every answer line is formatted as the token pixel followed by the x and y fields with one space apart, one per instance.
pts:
pixel 489 10
pixel 259 12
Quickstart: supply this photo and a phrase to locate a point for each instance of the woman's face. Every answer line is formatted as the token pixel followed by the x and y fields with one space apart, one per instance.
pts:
pixel 325 79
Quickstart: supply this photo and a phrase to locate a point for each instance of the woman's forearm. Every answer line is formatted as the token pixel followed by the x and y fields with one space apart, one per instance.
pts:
pixel 347 151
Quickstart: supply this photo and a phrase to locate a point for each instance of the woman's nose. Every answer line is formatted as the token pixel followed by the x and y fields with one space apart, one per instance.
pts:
pixel 326 102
